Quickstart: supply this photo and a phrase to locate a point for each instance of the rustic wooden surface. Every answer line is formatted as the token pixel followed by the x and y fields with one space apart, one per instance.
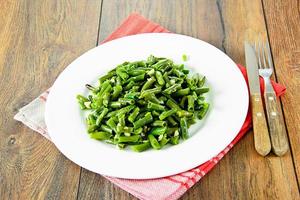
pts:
pixel 38 39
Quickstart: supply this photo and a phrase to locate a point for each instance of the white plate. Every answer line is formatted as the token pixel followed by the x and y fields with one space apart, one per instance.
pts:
pixel 228 98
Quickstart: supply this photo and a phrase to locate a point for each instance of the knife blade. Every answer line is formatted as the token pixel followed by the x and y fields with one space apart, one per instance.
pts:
pixel 262 140
pixel 252 69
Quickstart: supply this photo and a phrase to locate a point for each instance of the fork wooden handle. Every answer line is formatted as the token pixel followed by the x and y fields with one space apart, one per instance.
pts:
pixel 277 130
pixel 262 141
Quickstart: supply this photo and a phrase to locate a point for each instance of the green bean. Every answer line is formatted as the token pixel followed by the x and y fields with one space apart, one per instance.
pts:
pixel 174 140
pixel 178 73
pixel 154 143
pixel 191 101
pixel 162 99
pixel 184 128
pixel 201 82
pixel 150 91
pixel 200 91
pixel 105 77
pixel 163 141
pixel 155 113
pixel 82 106
pixel 159 123
pixel 153 98
pixel 138 131
pixel 203 110
pixel 105 128
pixel 159 78
pixel 122 119
pixel 148 83
pixel 182 102
pixel 173 104
pixel 166 114
pixel 167 80
pixel 129 85
pixel 184 113
pixel 183 92
pixel 116 91
pixel 124 101
pixel 81 98
pixel 142 102
pixel 141 147
pixel 106 98
pixel 171 121
pixel 101 135
pixel 154 106
pixel 91 128
pixel 101 116
pixel 112 113
pixel 125 110
pixel 122 73
pixel 143 121
pixel 151 72
pixel 133 138
pixel 119 129
pixel 111 123
pixel 127 129
pixel 158 130
pixel 137 78
pixel 172 89
pixel 136 72
pixel 134 114
pixel 91 119
pixel 106 87
pixel 115 104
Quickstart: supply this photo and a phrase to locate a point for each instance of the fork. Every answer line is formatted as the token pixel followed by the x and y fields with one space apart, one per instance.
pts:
pixel 275 120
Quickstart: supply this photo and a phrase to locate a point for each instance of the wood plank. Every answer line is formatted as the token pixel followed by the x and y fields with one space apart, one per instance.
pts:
pixel 283 21
pixel 38 40
pixel 246 174
pixel 242 174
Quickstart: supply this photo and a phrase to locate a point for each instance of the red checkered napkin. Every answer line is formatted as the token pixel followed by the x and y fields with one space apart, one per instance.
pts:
pixel 171 187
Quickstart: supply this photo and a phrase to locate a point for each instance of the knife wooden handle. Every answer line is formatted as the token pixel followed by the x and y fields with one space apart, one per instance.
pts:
pixel 277 130
pixel 260 129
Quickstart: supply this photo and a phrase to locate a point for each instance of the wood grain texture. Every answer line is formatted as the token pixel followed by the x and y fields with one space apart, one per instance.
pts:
pixel 38 40
pixel 262 140
pixel 242 174
pixel 276 125
pixel 283 21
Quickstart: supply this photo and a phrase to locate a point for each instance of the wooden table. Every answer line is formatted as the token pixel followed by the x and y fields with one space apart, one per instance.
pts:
pixel 38 39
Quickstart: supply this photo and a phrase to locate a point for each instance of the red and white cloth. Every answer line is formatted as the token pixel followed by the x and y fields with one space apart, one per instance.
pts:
pixel 171 187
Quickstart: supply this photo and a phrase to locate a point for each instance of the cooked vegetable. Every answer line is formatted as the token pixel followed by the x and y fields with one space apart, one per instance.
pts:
pixel 145 104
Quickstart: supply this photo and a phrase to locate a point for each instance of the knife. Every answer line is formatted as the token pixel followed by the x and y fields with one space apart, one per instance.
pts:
pixel 262 141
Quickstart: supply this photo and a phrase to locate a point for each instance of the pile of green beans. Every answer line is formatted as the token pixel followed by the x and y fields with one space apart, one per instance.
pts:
pixel 145 104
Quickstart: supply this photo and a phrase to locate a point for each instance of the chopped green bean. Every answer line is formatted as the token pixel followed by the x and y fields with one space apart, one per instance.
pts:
pixel 184 128
pixel 166 114
pixel 100 135
pixel 143 121
pixel 154 143
pixel 134 114
pixel 145 104
pixel 141 147
pixel 159 123
pixel 154 106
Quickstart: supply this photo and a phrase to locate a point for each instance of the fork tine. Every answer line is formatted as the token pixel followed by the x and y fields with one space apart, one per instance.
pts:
pixel 268 51
pixel 262 49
